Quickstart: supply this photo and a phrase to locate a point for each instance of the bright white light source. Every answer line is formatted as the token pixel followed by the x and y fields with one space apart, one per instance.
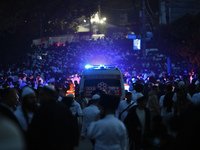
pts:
pixel 101 21
pixel 84 20
pixel 104 19
pixel 95 18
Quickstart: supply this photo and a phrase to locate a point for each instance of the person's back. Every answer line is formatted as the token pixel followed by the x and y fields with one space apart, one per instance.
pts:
pixel 82 100
pixel 138 91
pixel 192 87
pixel 166 104
pixel 153 103
pixel 124 106
pixel 25 111
pixel 109 133
pixel 196 96
pixel 90 113
pixel 53 126
pixel 182 103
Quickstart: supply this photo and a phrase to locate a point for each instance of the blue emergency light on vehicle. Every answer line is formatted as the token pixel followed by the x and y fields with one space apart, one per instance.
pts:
pixel 88 66
pixel 99 67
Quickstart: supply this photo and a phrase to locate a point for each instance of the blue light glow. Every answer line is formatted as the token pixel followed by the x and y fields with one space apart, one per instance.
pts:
pixel 88 66
pixel 99 66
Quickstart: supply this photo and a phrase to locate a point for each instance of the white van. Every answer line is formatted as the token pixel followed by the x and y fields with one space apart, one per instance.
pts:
pixel 105 78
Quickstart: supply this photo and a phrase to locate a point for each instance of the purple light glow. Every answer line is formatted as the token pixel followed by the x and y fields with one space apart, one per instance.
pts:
pixel 103 57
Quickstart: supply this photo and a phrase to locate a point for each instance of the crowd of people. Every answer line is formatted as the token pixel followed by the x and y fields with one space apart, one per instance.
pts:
pixel 41 107
pixel 40 119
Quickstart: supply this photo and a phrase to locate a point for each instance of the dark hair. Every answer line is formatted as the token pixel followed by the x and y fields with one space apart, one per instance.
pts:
pixel 109 101
pixel 141 99
pixel 168 102
pixel 169 87
pixel 24 107
pixel 82 94
pixel 67 101
pixel 49 91
pixel 139 88
pixel 182 93
pixel 128 94
pixel 154 87
pixel 6 93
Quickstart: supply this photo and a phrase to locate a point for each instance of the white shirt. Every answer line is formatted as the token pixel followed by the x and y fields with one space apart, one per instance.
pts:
pixel 109 133
pixel 20 116
pixel 196 98
pixel 141 117
pixel 175 97
pixel 89 114
pixel 76 109
pixel 122 106
pixel 164 109
pixel 135 96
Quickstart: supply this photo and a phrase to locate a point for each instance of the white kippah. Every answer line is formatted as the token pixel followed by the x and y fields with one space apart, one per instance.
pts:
pixel 95 96
pixel 26 91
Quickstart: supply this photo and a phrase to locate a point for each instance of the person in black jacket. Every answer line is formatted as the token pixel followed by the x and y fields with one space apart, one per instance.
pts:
pixel 137 123
pixel 53 125
pixel 8 103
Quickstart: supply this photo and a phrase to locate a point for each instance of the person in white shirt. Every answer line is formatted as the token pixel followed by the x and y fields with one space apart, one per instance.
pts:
pixel 82 100
pixel 76 110
pixel 137 123
pixel 138 90
pixel 75 107
pixel 27 108
pixel 166 104
pixel 89 115
pixel 180 84
pixel 108 132
pixel 196 96
pixel 153 103
pixel 124 107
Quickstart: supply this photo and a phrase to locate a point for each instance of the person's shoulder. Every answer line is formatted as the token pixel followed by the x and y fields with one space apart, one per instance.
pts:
pixel 195 95
pixel 76 103
pixel 162 97
pixel 133 92
pixel 18 111
pixel 4 109
pixel 122 101
pixel 86 109
pixel 132 109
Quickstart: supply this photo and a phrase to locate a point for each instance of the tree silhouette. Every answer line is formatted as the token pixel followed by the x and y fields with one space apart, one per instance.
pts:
pixel 181 38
